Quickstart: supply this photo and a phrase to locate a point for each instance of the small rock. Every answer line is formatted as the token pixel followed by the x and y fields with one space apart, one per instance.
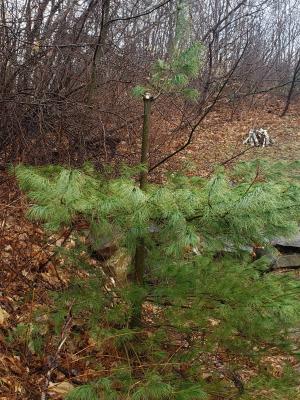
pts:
pixel 118 265
pixel 288 261
pixel 104 250
pixel 8 248
pixel 284 242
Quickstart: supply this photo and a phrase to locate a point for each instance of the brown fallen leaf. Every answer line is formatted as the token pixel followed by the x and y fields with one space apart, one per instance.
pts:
pixel 61 388
pixel 3 316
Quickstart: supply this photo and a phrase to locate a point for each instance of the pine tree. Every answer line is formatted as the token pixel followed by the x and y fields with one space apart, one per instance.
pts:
pixel 169 77
pixel 209 306
pixel 207 312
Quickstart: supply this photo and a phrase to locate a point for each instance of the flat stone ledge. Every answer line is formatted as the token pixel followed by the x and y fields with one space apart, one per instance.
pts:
pixel 288 261
pixel 292 242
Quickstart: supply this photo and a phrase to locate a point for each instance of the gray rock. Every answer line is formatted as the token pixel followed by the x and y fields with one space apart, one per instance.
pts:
pixel 292 242
pixel 288 261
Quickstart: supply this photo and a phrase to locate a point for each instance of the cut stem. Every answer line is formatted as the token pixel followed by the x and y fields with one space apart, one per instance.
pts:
pixel 140 253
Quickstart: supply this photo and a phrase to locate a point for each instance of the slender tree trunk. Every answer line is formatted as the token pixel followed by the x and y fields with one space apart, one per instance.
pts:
pixel 145 139
pixel 140 253
pixel 293 84
pixel 97 73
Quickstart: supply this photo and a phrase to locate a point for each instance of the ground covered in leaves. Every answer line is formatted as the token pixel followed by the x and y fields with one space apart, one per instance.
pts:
pixel 28 267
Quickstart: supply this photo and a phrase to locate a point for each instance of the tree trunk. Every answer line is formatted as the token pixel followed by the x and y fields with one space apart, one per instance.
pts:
pixel 293 84
pixel 140 253
pixel 100 49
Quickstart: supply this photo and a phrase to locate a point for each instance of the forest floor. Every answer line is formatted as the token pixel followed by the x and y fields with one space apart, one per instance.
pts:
pixel 220 136
pixel 27 269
